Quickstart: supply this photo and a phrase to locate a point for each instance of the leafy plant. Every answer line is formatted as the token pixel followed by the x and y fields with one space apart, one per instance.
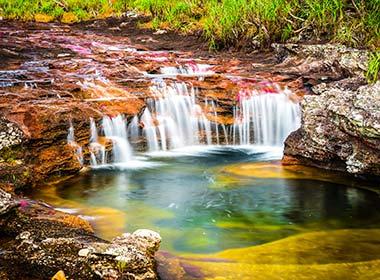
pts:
pixel 121 265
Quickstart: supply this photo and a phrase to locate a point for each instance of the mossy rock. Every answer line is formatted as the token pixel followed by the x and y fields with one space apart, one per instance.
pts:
pixel 10 154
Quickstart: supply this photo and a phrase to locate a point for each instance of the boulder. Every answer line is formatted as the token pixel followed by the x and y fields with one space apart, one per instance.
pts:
pixel 49 241
pixel 340 129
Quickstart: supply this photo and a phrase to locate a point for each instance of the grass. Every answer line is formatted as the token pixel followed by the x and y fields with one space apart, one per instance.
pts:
pixel 373 70
pixel 227 22
pixel 48 10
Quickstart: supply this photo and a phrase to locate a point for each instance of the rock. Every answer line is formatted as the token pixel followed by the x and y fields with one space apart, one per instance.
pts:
pixel 340 129
pixel 354 61
pixel 83 252
pixel 153 238
pixel 47 243
pixel 160 32
pixel 7 203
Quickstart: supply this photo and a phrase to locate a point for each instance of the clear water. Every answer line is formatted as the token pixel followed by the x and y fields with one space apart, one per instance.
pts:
pixel 205 201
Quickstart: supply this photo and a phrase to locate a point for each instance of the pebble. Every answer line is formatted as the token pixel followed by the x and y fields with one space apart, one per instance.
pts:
pixel 84 252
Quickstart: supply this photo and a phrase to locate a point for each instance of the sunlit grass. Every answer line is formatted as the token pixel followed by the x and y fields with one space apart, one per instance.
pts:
pixel 228 22
pixel 372 74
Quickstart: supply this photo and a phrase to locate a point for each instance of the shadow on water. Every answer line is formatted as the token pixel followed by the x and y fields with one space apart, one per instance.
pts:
pixel 199 206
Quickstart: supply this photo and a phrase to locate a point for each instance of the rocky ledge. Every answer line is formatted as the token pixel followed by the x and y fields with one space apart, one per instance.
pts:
pixel 340 129
pixel 37 242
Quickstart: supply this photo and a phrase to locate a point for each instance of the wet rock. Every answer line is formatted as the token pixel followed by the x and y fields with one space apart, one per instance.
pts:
pixel 48 241
pixel 340 130
pixel 6 202
pixel 10 135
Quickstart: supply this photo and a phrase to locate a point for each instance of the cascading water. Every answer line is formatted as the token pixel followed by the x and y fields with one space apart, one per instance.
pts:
pixel 133 129
pixel 71 141
pixel 97 151
pixel 190 69
pixel 115 129
pixel 265 118
pixel 173 119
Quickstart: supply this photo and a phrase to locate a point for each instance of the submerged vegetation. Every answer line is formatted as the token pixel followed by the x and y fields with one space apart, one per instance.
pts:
pixel 226 22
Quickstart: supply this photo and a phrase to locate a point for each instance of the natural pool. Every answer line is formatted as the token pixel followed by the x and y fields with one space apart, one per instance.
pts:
pixel 204 201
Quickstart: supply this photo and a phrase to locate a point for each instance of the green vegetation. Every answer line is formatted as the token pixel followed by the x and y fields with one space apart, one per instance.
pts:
pixel 373 67
pixel 47 10
pixel 121 265
pixel 227 22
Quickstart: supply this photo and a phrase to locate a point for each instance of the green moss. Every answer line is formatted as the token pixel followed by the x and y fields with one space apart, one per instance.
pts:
pixel 9 155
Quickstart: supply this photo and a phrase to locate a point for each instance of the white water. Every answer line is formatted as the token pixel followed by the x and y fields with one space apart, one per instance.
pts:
pixel 174 120
pixel 71 141
pixel 187 70
pixel 133 129
pixel 265 119
pixel 115 129
pixel 97 151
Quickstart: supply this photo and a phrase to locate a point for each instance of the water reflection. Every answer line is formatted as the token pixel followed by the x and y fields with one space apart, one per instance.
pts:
pixel 199 208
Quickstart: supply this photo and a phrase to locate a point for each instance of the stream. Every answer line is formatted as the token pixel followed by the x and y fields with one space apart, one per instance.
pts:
pixel 206 200
pixel 188 145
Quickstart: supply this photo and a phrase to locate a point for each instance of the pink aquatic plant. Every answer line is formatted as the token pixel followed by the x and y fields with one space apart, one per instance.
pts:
pixel 23 203
pixel 78 49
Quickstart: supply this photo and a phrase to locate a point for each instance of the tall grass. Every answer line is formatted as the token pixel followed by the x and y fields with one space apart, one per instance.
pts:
pixel 230 22
pixel 373 70
pixel 55 9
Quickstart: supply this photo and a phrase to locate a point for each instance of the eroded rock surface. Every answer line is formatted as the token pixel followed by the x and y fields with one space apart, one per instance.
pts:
pixel 41 241
pixel 54 74
pixel 341 59
pixel 340 129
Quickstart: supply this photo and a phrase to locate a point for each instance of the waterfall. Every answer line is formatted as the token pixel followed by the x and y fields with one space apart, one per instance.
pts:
pixel 174 120
pixel 70 135
pixel 71 141
pixel 93 131
pixel 190 69
pixel 115 129
pixel 265 119
pixel 97 151
pixel 133 129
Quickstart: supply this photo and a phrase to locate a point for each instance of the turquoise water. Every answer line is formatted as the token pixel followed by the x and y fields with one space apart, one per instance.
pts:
pixel 198 205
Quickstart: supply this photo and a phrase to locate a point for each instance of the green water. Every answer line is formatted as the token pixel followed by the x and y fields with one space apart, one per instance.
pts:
pixel 198 206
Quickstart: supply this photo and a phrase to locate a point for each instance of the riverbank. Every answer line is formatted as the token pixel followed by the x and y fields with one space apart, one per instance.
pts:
pixel 238 23
pixel 58 80
pixel 49 241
